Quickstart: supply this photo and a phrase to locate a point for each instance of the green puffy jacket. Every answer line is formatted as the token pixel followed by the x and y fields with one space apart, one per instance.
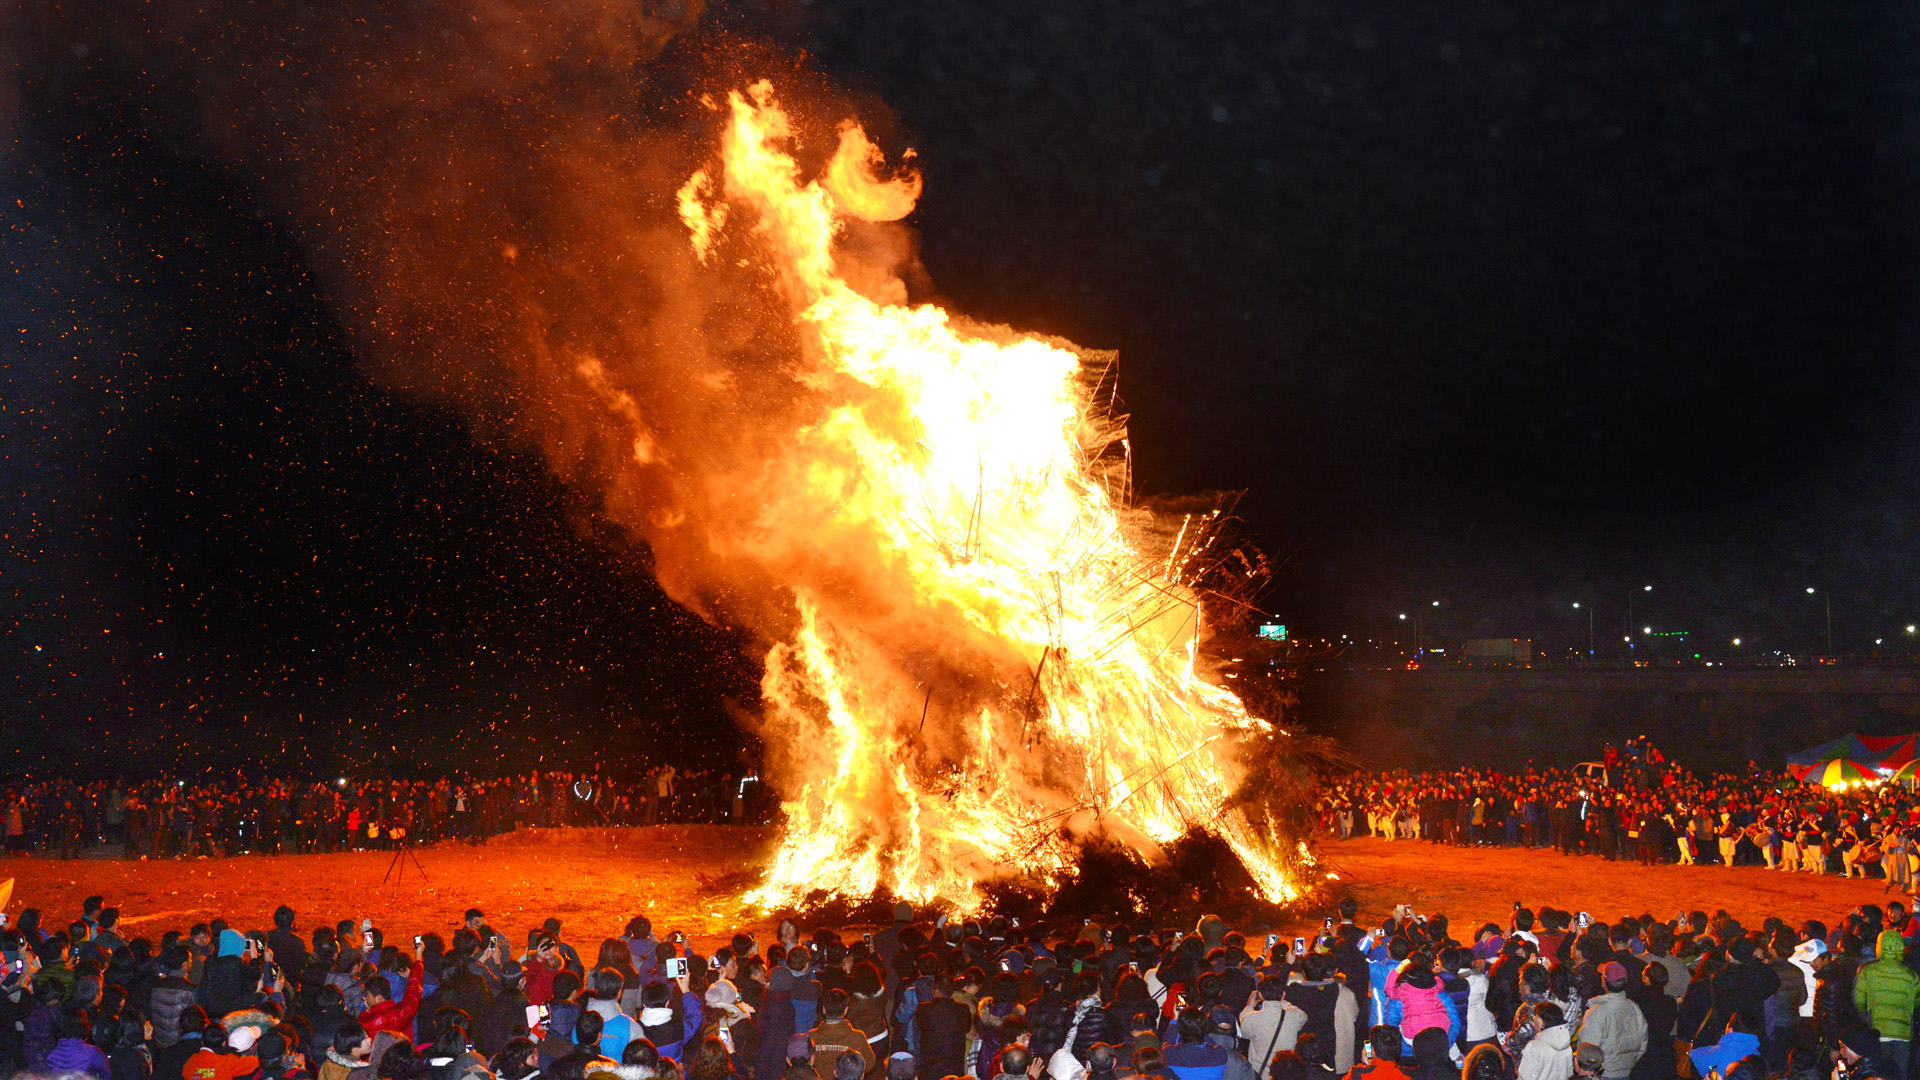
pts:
pixel 1884 991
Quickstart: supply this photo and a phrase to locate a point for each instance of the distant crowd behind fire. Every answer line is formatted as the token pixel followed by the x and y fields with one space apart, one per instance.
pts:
pixel 1647 808
pixel 187 818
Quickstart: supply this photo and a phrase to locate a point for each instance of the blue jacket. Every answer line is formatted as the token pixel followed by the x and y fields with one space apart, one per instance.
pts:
pixel 615 1034
pixel 1732 1046
pixel 1383 1010
pixel 1197 1061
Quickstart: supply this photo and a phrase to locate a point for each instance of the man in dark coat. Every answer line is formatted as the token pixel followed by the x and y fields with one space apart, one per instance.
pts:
pixel 504 1018
pixel 887 942
pixel 1741 989
pixel 232 979
pixel 172 995
pixel 289 952
pixel 776 1025
pixel 943 1024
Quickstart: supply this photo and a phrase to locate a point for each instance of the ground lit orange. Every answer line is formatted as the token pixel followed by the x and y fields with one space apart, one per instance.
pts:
pixel 595 880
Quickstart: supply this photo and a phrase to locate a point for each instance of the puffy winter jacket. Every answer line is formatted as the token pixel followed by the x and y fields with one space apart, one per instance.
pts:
pixel 396 1016
pixel 1420 1009
pixel 171 997
pixel 1884 990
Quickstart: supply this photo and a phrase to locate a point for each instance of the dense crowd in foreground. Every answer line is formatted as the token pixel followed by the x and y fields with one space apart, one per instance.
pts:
pixel 1550 996
pixel 1645 808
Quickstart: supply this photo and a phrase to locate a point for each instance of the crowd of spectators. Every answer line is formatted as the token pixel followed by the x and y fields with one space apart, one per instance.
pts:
pixel 1635 804
pixel 201 818
pixel 1547 996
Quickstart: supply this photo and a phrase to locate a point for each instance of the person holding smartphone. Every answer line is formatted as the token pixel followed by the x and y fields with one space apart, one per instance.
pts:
pixel 542 962
pixel 382 1013
pixel 1269 1022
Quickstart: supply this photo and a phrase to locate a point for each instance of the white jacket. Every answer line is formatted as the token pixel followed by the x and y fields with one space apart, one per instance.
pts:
pixel 1548 1056
pixel 1480 1022
pixel 1806 972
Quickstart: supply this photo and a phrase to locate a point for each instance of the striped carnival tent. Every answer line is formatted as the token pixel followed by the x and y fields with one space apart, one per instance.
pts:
pixel 1884 754
pixel 1888 751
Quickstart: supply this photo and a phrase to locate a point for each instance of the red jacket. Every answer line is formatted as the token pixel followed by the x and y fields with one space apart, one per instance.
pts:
pixel 539 987
pixel 396 1016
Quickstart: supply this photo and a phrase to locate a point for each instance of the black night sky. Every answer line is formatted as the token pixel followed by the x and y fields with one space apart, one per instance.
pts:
pixel 1505 304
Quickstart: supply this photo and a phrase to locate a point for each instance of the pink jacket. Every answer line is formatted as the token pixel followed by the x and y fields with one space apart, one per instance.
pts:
pixel 1419 1009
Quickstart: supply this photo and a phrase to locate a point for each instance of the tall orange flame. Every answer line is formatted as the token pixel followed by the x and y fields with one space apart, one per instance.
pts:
pixel 1023 608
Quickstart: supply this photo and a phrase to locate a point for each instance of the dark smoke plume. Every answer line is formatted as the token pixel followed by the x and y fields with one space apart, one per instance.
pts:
pixel 485 191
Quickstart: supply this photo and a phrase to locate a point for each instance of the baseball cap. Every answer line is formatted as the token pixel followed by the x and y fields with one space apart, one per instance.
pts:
pixel 1613 973
pixel 1809 949
pixel 1589 1056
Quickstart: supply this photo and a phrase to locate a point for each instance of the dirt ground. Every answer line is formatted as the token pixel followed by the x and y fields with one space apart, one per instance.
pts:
pixel 1481 884
pixel 594 880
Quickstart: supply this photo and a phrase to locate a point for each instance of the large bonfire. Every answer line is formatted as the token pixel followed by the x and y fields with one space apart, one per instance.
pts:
pixel 1048 629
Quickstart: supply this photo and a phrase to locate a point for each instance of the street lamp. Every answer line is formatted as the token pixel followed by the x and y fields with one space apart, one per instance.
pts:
pixel 1419 628
pixel 1828 597
pixel 1576 607
pixel 1630 596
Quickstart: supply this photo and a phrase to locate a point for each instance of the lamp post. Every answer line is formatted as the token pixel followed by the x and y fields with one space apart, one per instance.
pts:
pixel 1630 596
pixel 1576 607
pixel 1419 628
pixel 1828 597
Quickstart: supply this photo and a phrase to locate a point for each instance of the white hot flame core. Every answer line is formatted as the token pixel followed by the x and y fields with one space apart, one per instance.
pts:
pixel 1055 652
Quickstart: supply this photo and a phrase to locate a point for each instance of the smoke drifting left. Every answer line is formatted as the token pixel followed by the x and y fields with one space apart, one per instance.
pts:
pixel 484 190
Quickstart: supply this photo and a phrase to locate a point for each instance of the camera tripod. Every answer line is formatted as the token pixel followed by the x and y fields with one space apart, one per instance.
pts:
pixel 397 869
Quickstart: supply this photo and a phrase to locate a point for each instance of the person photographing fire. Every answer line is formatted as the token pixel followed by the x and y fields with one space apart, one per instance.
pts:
pixel 385 1014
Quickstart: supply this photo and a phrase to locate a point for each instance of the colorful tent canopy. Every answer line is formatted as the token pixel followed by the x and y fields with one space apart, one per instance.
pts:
pixel 1840 771
pixel 1883 753
pixel 1889 751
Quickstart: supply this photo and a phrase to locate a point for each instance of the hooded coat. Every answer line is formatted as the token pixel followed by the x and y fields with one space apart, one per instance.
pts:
pixel 1884 990
pixel 1548 1056
pixel 1420 1008
pixel 230 982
